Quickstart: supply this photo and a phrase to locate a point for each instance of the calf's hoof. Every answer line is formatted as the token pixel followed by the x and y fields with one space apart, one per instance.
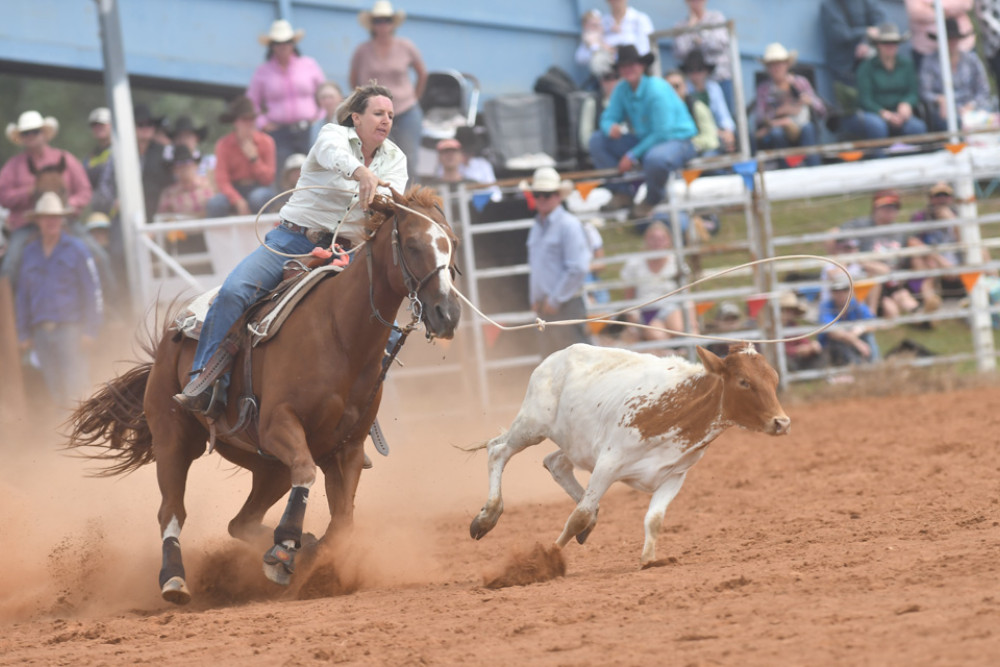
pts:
pixel 582 537
pixel 660 562
pixel 279 564
pixel 175 590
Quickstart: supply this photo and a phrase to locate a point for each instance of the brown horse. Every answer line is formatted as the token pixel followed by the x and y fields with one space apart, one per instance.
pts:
pixel 317 384
pixel 49 179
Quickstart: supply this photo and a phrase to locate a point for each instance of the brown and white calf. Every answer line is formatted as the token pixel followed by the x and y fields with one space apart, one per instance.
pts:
pixel 635 418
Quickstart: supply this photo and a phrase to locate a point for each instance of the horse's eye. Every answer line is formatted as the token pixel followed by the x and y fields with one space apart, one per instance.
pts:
pixel 744 383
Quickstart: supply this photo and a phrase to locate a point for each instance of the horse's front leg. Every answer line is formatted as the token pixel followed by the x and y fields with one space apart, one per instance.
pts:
pixel 341 478
pixel 284 437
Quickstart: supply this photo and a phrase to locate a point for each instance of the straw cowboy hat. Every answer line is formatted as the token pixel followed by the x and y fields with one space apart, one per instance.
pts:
pixel 32 120
pixel 777 53
pixel 98 220
pixel 888 33
pixel 280 32
pixel 789 301
pixel 49 203
pixel 547 179
pixel 381 10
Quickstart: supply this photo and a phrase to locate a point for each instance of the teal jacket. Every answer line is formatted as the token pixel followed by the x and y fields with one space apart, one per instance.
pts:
pixel 653 111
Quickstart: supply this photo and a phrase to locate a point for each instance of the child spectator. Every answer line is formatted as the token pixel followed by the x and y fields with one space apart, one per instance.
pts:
pixel 847 345
pixel 190 193
pixel 786 103
pixel 709 92
pixel 328 98
pixel 58 302
pixel 706 142
pixel 186 133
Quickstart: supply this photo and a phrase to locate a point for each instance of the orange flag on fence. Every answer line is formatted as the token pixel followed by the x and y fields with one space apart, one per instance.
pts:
pixel 851 156
pixel 596 327
pixel 490 333
pixel 794 160
pixel 703 307
pixel 970 279
pixel 690 175
pixel 862 289
pixel 955 149
pixel 586 187
pixel 754 304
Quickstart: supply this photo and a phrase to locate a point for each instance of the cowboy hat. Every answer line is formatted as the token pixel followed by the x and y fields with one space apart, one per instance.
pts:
pixel 776 53
pixel 182 155
pixel 280 32
pixel 99 116
pixel 941 188
pixel 185 124
pixel 888 33
pixel 238 108
pixel 142 115
pixel 695 61
pixel 449 144
pixel 32 120
pixel 952 30
pixel 628 54
pixel 98 220
pixel 50 203
pixel 546 179
pixel 381 10
pixel 788 300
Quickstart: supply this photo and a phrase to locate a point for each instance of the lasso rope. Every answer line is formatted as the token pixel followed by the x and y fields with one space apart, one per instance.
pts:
pixel 540 323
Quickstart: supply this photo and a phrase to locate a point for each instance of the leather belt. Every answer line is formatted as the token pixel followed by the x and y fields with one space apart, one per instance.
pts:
pixel 299 126
pixel 318 236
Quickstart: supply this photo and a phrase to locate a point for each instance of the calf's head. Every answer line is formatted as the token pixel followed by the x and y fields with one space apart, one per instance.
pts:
pixel 749 389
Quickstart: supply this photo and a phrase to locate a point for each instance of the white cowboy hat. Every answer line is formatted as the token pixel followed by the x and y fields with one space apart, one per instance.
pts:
pixel 776 53
pixel 32 120
pixel 281 31
pixel 380 10
pixel 49 203
pixel 546 179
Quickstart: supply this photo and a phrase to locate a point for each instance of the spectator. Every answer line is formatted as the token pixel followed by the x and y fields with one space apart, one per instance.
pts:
pixel 329 96
pixel 456 163
pixel 988 13
pixel 627 25
pixel 186 133
pixel 100 155
pixel 894 298
pixel 58 302
pixel 804 353
pixel 923 23
pixel 887 92
pixel 592 40
pixel 558 259
pixel 846 24
pixel 592 230
pixel 847 345
pixel 152 157
pixel 99 229
pixel 709 92
pixel 968 78
pixel 786 103
pixel 388 59
pixel 706 142
pixel 291 171
pixel 245 164
pixel 18 191
pixel 658 125
pixel 190 193
pixel 283 92
pixel 713 45
pixel 653 276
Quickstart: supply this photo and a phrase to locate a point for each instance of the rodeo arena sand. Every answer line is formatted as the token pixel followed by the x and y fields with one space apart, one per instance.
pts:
pixel 869 535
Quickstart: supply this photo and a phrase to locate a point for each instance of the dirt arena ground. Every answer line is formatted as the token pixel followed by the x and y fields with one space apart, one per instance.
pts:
pixel 869 536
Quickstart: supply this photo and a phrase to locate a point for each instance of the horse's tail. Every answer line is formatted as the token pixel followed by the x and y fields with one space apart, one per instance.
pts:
pixel 113 419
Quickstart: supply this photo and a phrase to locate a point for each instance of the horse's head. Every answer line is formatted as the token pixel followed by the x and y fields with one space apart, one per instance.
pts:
pixel 423 258
pixel 49 178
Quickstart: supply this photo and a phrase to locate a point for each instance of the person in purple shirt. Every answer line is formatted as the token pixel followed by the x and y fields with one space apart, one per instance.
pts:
pixel 58 302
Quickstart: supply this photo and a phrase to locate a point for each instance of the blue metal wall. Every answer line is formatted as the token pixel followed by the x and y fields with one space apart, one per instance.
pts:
pixel 505 43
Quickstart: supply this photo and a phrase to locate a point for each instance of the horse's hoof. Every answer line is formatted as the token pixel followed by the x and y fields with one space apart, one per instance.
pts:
pixel 176 591
pixel 279 564
pixel 478 528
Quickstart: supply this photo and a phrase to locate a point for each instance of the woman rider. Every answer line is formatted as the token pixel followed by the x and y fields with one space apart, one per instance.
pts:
pixel 356 158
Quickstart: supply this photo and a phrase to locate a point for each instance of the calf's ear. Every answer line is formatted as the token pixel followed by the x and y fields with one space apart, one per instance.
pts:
pixel 711 361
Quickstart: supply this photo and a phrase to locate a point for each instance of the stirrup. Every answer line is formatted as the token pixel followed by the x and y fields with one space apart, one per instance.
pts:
pixel 378 439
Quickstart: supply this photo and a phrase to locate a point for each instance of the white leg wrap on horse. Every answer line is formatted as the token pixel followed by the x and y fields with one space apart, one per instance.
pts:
pixel 173 528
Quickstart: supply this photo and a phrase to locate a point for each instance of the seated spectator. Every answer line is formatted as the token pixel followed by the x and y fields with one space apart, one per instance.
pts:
pixel 847 345
pixel 186 133
pixel 706 142
pixel 650 277
pixel 804 353
pixel 290 173
pixel 887 92
pixel 940 194
pixel 328 98
pixel 786 104
pixel 893 298
pixel 189 195
pixel 645 125
pixel 97 160
pixel 968 78
pixel 712 44
pixel 592 40
pixel 245 167
pixel 923 25
pixel 988 23
pixel 709 92
pixel 58 302
pixel 727 319
pixel 847 26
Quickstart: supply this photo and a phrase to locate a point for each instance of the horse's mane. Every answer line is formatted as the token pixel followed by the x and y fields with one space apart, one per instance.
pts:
pixel 417 196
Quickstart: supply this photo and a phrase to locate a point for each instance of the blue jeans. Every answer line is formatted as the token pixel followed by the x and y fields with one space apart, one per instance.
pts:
pixel 258 273
pixel 868 125
pixel 776 138
pixel 256 196
pixel 63 361
pixel 657 163
pixel 407 127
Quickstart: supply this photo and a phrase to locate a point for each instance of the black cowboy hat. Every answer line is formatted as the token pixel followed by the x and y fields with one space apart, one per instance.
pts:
pixel 143 115
pixel 238 107
pixel 185 124
pixel 695 61
pixel 951 30
pixel 628 54
pixel 181 154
